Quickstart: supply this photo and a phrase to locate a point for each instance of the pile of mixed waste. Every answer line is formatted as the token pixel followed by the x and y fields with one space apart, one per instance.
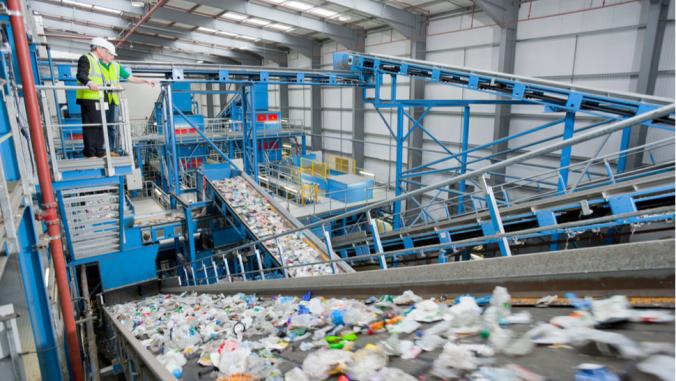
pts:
pixel 245 337
pixel 259 215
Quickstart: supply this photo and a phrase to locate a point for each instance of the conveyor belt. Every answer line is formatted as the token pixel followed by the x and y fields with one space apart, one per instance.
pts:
pixel 642 271
pixel 291 250
pixel 658 188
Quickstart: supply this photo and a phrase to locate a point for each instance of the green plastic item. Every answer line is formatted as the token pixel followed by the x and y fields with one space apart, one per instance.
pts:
pixel 350 337
pixel 339 345
pixel 332 339
pixel 484 333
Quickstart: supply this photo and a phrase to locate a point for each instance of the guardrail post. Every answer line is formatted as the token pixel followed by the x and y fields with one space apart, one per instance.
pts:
pixel 241 265
pixel 281 258
pixel 496 219
pixel 227 269
pixel 329 248
pixel 376 241
pixel 260 263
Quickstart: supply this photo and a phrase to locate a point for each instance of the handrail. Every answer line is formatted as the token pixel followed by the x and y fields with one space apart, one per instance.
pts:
pixel 619 125
pixel 660 213
pixel 73 87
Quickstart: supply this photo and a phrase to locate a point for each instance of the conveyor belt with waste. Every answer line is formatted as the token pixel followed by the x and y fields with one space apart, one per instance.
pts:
pixel 252 207
pixel 297 331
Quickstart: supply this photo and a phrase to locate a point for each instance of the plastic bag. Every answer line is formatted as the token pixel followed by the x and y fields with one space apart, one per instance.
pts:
pixel 548 334
pixel 616 307
pixel 519 318
pixel 317 365
pixel 606 343
pixel 408 297
pixel 405 326
pixel 429 343
pixel 426 311
pixel 173 361
pixel 230 362
pixel 502 301
pixel 295 374
pixel 366 363
pixel 661 366
pixel 409 350
pixel 392 374
pixel 454 357
pixel 465 314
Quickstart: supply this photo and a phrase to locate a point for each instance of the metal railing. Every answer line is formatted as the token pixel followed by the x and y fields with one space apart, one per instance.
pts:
pixel 65 139
pixel 591 175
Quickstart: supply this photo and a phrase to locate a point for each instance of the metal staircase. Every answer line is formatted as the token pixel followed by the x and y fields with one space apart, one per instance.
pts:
pixel 92 218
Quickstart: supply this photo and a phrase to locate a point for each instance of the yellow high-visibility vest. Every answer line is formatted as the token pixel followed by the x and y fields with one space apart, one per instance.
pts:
pixel 102 77
pixel 112 77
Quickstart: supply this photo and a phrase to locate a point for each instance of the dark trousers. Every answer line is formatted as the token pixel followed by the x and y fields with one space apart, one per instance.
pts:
pixel 92 134
pixel 113 128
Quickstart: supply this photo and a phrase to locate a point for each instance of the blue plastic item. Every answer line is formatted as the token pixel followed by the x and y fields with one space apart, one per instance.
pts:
pixel 337 317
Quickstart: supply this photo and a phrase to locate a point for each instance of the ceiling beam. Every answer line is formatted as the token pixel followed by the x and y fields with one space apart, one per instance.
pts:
pixel 342 34
pixel 88 31
pixel 140 22
pixel 500 11
pixel 301 44
pixel 81 46
pixel 401 20
pixel 304 45
pixel 110 25
pixel 117 24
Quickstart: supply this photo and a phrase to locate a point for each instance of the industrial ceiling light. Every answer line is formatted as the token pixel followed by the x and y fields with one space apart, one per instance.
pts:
pixel 138 4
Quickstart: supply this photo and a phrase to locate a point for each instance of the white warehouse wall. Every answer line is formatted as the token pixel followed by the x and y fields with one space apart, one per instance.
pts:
pixel 587 42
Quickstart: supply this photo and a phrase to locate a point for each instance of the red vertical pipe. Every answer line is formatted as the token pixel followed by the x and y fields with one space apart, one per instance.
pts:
pixel 48 204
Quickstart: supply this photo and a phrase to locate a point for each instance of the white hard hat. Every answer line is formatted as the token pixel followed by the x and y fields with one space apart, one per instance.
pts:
pixel 103 43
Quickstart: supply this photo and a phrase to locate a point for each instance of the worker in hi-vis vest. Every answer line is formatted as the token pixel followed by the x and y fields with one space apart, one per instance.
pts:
pixel 97 69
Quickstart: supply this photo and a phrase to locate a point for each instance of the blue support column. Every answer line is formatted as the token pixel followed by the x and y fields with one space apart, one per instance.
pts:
pixel 548 218
pixel 190 234
pixel 36 299
pixel 254 138
pixel 463 158
pixel 171 134
pixel 303 144
pixel 399 165
pixel 568 130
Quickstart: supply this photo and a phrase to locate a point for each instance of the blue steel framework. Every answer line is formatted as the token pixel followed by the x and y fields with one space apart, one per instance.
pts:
pixel 366 71
pixel 24 240
pixel 555 97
